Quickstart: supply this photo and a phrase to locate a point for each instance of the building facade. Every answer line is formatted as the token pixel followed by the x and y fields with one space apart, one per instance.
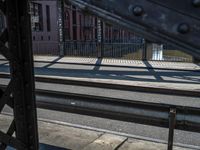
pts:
pixel 44 27
pixel 81 26
pixel 77 27
pixel 80 34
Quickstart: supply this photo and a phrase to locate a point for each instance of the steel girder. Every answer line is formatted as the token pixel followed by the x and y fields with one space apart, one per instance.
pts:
pixel 175 22
pixel 15 45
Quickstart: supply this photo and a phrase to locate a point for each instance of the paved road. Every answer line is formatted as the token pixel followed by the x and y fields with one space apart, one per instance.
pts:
pixel 57 136
pixel 171 79
pixel 133 129
pixel 121 94
pixel 184 78
pixel 119 126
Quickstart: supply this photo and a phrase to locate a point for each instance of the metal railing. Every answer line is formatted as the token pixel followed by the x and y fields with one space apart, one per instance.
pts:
pixel 130 51
pixel 107 50
pixel 172 116
pixel 45 47
pixel 81 49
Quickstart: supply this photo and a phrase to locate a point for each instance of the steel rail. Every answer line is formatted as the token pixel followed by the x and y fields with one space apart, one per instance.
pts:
pixel 56 80
pixel 187 118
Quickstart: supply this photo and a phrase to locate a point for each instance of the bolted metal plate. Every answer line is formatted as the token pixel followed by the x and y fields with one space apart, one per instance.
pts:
pixel 174 22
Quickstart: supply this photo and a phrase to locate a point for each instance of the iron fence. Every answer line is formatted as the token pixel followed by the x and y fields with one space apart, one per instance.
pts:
pixel 130 51
pixel 106 50
pixel 81 49
pixel 45 47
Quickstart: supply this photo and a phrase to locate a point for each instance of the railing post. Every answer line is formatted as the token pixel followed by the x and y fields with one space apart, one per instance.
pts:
pixel 172 124
pixel 61 27
pixel 144 52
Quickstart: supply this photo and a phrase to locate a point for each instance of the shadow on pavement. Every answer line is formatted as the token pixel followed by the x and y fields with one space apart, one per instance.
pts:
pixel 98 64
pixel 51 147
pixel 44 147
pixel 53 62
pixel 118 73
pixel 152 71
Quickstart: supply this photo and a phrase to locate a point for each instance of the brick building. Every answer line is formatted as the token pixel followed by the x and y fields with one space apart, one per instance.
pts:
pixel 79 34
pixel 83 27
pixel 44 27
pixel 78 27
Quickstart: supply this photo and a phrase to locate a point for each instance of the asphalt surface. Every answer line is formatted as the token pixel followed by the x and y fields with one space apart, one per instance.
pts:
pixel 136 130
pixel 120 94
pixel 119 126
pixel 116 73
pixel 119 73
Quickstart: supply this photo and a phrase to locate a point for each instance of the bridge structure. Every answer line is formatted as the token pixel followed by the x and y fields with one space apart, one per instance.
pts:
pixel 173 21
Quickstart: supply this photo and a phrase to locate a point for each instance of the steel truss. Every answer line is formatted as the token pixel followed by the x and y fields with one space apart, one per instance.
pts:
pixel 173 21
pixel 15 45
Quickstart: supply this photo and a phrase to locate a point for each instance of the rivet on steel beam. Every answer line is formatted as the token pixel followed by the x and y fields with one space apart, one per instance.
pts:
pixel 137 10
pixel 196 3
pixel 11 95
pixel 183 28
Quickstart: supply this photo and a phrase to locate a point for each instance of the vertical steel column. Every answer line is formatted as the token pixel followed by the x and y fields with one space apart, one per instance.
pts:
pixel 21 66
pixel 144 52
pixel 172 123
pixel 61 26
pixel 102 39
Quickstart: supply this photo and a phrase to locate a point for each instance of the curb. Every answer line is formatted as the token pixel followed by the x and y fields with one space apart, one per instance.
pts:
pixel 122 66
pixel 96 84
pixel 109 65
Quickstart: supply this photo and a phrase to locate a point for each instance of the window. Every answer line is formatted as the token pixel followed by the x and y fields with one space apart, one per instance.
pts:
pixel 36 17
pixel 67 25
pixel 48 18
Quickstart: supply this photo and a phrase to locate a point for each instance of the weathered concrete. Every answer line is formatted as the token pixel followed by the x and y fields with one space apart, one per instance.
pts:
pixel 62 137
pixel 120 62
pixel 67 137
pixel 133 144
pixel 106 142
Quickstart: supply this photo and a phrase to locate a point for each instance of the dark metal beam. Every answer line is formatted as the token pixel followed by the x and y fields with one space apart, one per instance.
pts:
pixel 161 115
pixel 10 132
pixel 6 95
pixel 174 22
pixel 19 94
pixel 11 141
pixel 19 34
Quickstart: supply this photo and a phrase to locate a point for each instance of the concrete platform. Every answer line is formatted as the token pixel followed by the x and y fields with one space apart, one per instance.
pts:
pixel 120 62
pixel 117 62
pixel 62 137
pixel 134 74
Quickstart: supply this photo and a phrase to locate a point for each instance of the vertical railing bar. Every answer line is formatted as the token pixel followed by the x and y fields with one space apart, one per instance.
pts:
pixel 172 124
